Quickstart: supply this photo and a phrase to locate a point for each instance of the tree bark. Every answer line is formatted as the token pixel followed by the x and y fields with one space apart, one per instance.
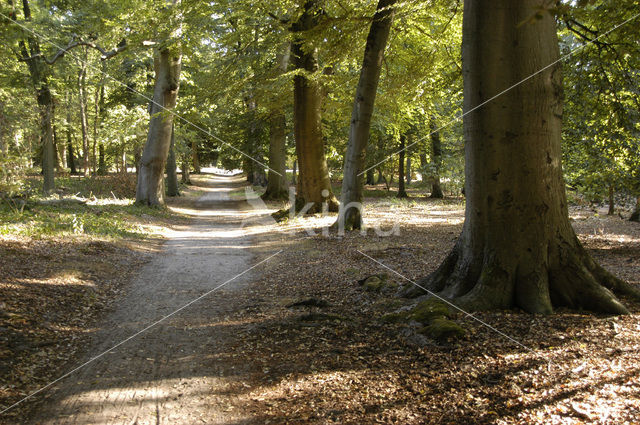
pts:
pixel 314 184
pixel 97 124
pixel 635 216
pixel 186 177
pixel 402 193
pixel 436 161
pixel 254 169
pixel 58 146
pixel 370 180
pixel 149 190
pixel 294 174
pixel 517 247
pixel 71 161
pixel 408 170
pixel 82 98
pixel 4 146
pixel 612 204
pixel 195 159
pixel 352 184
pixel 30 52
pixel 277 185
pixel 173 188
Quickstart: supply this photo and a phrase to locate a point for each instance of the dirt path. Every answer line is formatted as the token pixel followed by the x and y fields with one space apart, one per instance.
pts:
pixel 168 374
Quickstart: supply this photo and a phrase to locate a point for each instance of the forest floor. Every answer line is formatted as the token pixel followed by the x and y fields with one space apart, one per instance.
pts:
pixel 262 359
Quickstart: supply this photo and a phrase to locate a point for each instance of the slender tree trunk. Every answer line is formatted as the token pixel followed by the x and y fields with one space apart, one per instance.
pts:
pixel 380 176
pixel 517 247
pixel 294 174
pixel 408 170
pixel 314 185
pixel 149 190
pixel 71 161
pixel 436 161
pixel 254 169
pixel 82 97
pixel 635 216
pixel 370 177
pixel 352 184
pixel 423 160
pixel 612 205
pixel 4 147
pixel 186 177
pixel 97 123
pixel 277 185
pixel 402 193
pixel 58 146
pixel 195 159
pixel 173 188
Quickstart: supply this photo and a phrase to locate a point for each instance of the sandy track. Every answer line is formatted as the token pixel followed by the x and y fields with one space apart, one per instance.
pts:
pixel 169 374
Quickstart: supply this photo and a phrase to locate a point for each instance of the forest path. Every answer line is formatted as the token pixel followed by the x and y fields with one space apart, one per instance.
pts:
pixel 171 373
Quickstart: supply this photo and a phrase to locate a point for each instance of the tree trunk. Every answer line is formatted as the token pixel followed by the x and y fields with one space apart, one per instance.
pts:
pixel 612 205
pixel 402 193
pixel 82 98
pixel 277 185
pixel 635 216
pixel 195 159
pixel 149 190
pixel 33 58
pixel 253 163
pixel 58 147
pixel 436 161
pixel 71 161
pixel 294 174
pixel 408 170
pixel 102 163
pixel 352 184
pixel 370 180
pixel 4 147
pixel 48 154
pixel 517 247
pixel 314 185
pixel 97 123
pixel 186 177
pixel 173 189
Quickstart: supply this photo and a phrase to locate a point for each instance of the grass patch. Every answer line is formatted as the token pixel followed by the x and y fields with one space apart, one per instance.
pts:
pixel 116 219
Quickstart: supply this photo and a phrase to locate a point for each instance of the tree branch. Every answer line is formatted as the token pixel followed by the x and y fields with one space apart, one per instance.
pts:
pixel 72 44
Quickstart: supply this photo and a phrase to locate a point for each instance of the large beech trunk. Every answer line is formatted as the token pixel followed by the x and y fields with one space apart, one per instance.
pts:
pixel 314 185
pixel 517 247
pixel 277 185
pixel 149 190
pixel 352 184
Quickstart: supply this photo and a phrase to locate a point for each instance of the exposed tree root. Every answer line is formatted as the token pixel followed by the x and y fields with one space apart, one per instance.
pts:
pixel 573 280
